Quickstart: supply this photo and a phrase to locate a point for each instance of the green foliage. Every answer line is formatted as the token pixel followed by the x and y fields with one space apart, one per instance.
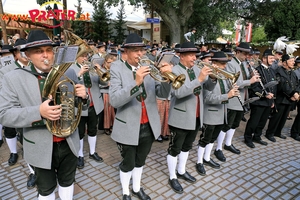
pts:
pixel 285 20
pixel 119 24
pixel 100 24
pixel 259 35
pixel 79 26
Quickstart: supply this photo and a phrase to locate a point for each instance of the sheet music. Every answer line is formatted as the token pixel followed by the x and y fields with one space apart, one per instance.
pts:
pixel 65 54
pixel 165 57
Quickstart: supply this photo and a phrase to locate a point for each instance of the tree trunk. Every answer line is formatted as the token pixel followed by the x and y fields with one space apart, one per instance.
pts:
pixel 176 19
pixel 66 20
pixel 3 25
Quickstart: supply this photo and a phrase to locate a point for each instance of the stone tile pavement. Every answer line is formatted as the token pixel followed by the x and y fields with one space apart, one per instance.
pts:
pixel 266 172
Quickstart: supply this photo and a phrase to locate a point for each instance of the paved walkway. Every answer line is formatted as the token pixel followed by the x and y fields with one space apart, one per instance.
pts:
pixel 266 172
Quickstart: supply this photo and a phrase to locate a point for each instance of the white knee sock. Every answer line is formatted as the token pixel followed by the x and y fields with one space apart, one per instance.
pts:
pixel 12 144
pixel 172 162
pixel 49 197
pixel 200 154
pixel 229 136
pixel 80 152
pixel 66 193
pixel 92 143
pixel 30 169
pixel 182 159
pixel 136 178
pixel 220 140
pixel 207 151
pixel 125 180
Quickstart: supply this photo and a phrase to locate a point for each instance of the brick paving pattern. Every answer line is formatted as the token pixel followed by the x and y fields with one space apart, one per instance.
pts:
pixel 266 172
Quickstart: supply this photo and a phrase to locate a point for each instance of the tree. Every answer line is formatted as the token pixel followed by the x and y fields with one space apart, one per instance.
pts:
pixel 119 25
pixel 285 20
pixel 101 21
pixel 77 25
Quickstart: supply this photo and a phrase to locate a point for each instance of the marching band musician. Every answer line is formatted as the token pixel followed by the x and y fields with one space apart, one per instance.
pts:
pixel 152 54
pixel 184 119
pixel 215 112
pixel 235 107
pixel 261 108
pixel 89 120
pixel 136 124
pixel 295 130
pixel 54 158
pixel 101 51
pixel 287 92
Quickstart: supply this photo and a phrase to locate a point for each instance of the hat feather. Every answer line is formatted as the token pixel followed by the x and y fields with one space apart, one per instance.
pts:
pixel 280 44
pixel 291 48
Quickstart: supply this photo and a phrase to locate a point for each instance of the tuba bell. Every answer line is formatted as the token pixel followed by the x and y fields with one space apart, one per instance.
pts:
pixel 177 81
pixel 220 73
pixel 69 120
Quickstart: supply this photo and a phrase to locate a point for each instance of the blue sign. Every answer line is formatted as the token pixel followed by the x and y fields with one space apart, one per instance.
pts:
pixel 153 20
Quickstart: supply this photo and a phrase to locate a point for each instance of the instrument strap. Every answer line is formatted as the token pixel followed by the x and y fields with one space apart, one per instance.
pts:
pixel 242 68
pixel 86 78
pixel 222 87
pixel 192 77
pixel 142 96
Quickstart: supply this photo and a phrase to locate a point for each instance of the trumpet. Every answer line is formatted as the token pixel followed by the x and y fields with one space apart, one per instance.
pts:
pixel 177 81
pixel 103 73
pixel 219 73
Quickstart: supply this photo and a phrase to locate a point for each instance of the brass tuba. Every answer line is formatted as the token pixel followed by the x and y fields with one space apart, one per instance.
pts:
pixel 69 120
pixel 177 81
pixel 220 73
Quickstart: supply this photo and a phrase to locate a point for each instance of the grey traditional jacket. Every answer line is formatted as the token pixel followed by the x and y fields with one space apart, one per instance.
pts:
pixel 123 93
pixel 183 104
pixel 20 100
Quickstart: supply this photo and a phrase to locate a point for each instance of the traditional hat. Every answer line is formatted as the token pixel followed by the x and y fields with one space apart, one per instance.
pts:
pixel 188 47
pixel 113 46
pixel 244 46
pixel 228 52
pixel 214 50
pixel 177 47
pixel 286 57
pixel 256 51
pixel 164 49
pixel 91 42
pixel 100 44
pixel 205 54
pixel 7 49
pixel 297 60
pixel 38 38
pixel 194 29
pixel 122 48
pixel 19 42
pixel 153 49
pixel 220 56
pixel 113 52
pixel 134 40
pixel 268 52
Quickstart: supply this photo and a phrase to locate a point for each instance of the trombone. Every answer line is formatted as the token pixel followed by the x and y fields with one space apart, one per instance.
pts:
pixel 177 81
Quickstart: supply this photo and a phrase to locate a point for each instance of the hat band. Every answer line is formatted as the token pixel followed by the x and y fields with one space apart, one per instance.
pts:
pixel 188 50
pixel 243 49
pixel 219 59
pixel 32 44
pixel 134 44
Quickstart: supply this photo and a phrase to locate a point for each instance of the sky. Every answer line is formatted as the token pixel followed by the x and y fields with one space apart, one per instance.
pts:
pixel 23 6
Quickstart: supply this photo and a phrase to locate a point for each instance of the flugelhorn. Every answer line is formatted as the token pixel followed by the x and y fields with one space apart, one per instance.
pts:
pixel 216 72
pixel 103 73
pixel 177 81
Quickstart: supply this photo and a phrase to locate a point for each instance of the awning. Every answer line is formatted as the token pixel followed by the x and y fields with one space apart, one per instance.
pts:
pixel 141 25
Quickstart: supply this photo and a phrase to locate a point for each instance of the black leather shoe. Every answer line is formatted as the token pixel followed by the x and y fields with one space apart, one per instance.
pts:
pixel 261 142
pixel 126 197
pixel 96 157
pixel 165 137
pixel 211 163
pixel 200 169
pixel 175 185
pixel 280 136
pixel 219 154
pixel 80 162
pixel 141 195
pixel 232 149
pixel 31 181
pixel 186 176
pixel 271 138
pixel 159 139
pixel 250 144
pixel 296 137
pixel 1 142
pixel 244 119
pixel 13 159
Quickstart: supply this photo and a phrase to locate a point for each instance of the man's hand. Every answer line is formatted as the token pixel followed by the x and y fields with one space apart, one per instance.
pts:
pixel 140 74
pixel 296 96
pixel 83 69
pixel 50 112
pixel 234 92
pixel 80 91
pixel 165 67
pixel 255 78
pixel 269 95
pixel 205 71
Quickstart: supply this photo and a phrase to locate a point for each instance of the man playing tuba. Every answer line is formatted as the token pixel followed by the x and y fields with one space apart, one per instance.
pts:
pixel 21 106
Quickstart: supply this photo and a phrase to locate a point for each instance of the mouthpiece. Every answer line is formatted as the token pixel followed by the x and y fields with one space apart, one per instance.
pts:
pixel 46 62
